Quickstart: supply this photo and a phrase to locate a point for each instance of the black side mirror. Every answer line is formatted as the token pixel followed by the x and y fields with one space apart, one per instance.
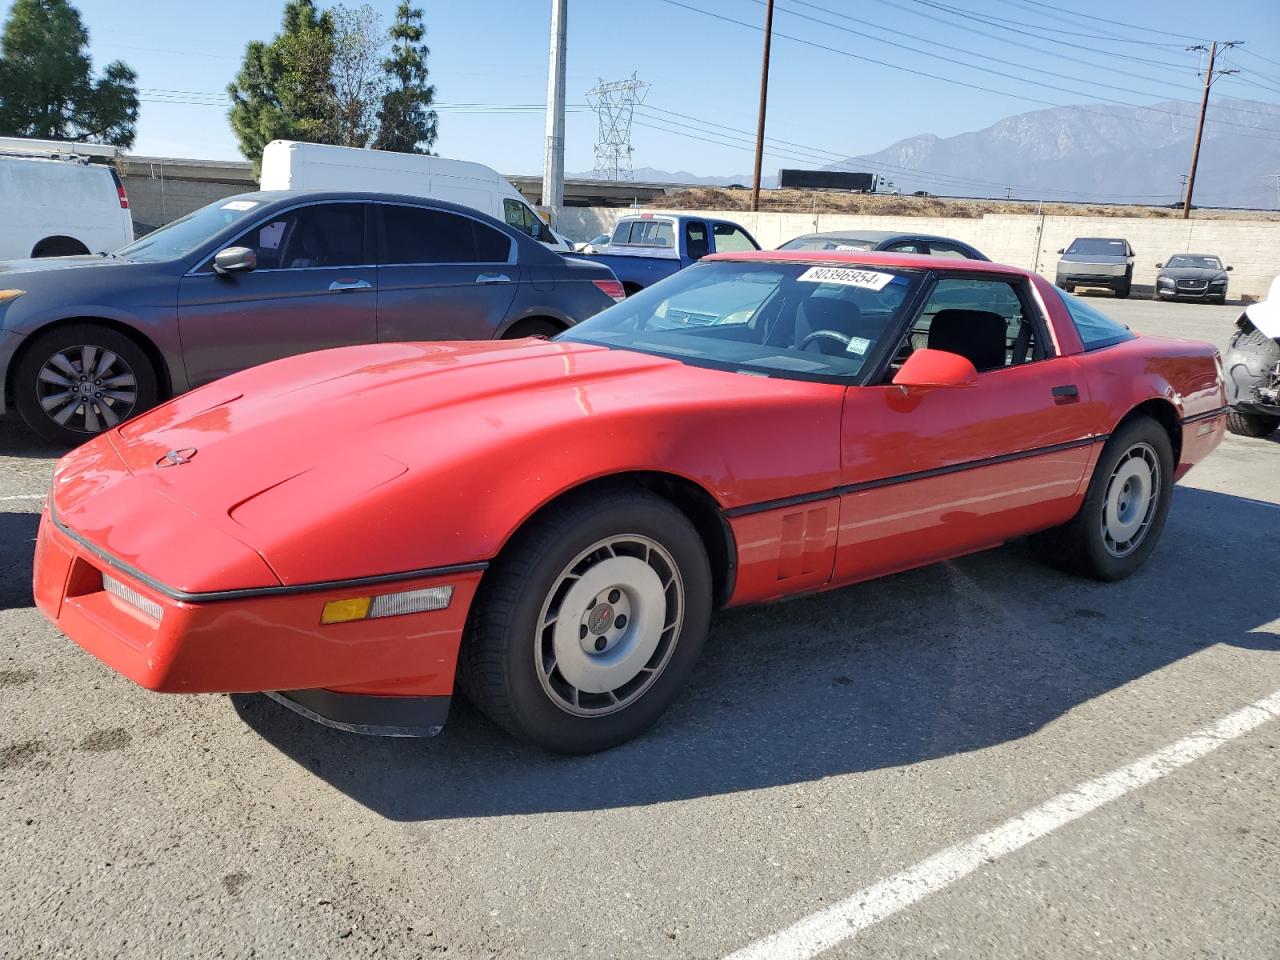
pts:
pixel 235 260
pixel 1061 250
pixel 1229 269
pixel 1159 266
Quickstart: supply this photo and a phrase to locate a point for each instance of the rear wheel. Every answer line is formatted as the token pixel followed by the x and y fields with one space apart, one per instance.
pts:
pixel 589 624
pixel 532 328
pixel 1252 424
pixel 59 247
pixel 1124 509
pixel 76 381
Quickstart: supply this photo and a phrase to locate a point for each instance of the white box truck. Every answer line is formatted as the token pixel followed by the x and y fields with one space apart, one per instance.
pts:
pixel 290 165
pixel 54 202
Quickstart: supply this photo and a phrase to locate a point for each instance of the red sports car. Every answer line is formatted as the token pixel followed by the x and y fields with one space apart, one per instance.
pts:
pixel 556 520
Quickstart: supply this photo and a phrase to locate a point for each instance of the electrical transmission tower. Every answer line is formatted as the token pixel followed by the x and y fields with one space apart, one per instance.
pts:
pixel 614 104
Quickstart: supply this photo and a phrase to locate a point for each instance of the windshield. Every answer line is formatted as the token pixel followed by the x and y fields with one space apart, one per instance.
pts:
pixel 1101 248
pixel 827 243
pixel 1207 263
pixel 184 235
pixel 792 320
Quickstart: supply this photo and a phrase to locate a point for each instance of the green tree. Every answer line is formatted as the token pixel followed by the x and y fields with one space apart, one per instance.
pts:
pixel 407 122
pixel 47 88
pixel 359 82
pixel 284 90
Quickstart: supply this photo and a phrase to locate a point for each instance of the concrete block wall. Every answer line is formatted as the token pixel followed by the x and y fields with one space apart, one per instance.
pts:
pixel 154 201
pixel 1252 247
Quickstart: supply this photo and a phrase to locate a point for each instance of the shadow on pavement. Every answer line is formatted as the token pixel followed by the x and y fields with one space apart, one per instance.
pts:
pixel 942 660
pixel 17 440
pixel 18 534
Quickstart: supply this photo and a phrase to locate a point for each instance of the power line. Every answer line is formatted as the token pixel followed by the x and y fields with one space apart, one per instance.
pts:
pixel 946 46
pixel 916 72
pixel 1117 23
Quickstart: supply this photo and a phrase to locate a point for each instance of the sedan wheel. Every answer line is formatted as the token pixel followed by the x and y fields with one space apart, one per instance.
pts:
pixel 76 381
pixel 87 388
pixel 590 622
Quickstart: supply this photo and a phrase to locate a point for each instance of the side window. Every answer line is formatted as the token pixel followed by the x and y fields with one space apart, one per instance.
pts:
pixel 986 321
pixel 730 239
pixel 520 217
pixel 492 246
pixel 652 233
pixel 696 243
pixel 948 250
pixel 419 235
pixel 323 235
pixel 907 246
pixel 1096 329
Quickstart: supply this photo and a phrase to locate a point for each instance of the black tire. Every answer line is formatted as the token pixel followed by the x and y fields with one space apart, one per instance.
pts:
pixel 1252 424
pixel 1079 546
pixel 30 393
pixel 499 665
pixel 532 328
pixel 59 247
pixel 1124 290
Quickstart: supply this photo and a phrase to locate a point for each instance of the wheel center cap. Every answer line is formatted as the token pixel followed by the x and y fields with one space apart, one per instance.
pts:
pixel 600 619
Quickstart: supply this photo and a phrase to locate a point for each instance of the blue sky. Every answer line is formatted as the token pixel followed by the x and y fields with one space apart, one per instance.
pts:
pixel 704 71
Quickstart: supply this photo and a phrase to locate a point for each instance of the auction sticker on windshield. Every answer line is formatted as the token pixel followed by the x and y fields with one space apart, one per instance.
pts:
pixel 867 279
pixel 240 205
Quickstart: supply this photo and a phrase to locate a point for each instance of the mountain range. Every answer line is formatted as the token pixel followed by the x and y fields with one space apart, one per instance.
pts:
pixel 1096 153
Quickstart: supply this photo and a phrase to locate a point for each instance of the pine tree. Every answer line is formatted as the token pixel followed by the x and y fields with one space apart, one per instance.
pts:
pixel 284 90
pixel 407 122
pixel 46 85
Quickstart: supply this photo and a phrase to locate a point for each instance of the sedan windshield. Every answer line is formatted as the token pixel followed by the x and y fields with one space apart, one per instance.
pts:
pixel 795 320
pixel 817 242
pixel 185 234
pixel 1206 263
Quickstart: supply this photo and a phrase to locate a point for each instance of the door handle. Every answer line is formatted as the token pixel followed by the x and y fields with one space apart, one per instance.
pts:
pixel 1067 393
pixel 345 286
pixel 493 278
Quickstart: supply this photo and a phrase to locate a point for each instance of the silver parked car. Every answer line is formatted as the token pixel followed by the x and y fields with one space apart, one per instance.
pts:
pixel 1097 262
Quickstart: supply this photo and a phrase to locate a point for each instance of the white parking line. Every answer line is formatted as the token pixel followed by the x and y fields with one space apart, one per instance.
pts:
pixel 844 920
pixel 23 496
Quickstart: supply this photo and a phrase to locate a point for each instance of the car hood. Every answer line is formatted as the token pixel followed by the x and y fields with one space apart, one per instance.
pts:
pixel 1092 258
pixel 1192 273
pixel 325 448
pixel 10 268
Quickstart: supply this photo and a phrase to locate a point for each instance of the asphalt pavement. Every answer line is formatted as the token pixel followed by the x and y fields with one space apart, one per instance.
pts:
pixel 983 758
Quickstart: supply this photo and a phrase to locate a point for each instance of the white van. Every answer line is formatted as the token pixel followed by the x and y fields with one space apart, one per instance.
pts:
pixel 289 165
pixel 58 204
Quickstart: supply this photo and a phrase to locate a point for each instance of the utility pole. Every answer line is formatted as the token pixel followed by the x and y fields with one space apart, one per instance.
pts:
pixel 1209 76
pixel 1276 177
pixel 553 155
pixel 764 99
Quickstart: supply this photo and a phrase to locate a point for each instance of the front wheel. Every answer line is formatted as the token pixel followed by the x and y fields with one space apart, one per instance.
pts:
pixel 75 381
pixel 590 622
pixel 1124 509
pixel 1252 424
pixel 1123 290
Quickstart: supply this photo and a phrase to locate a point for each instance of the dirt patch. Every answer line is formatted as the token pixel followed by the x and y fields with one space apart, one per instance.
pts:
pixel 104 741
pixel 881 205
pixel 13 678
pixel 18 754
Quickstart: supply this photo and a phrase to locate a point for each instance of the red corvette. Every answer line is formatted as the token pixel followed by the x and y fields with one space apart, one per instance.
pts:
pixel 555 521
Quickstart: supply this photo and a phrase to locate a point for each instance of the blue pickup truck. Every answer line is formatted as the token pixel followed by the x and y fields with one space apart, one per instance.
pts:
pixel 649 247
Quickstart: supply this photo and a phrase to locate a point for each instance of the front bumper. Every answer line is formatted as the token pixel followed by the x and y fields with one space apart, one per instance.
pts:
pixel 262 641
pixel 1183 293
pixel 1091 280
pixel 8 347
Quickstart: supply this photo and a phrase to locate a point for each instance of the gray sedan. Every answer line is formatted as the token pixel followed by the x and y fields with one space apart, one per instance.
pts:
pixel 86 342
pixel 1192 276
pixel 889 240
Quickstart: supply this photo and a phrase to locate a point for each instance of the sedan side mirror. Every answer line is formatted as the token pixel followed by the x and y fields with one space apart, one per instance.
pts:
pixel 235 260
pixel 1159 266
pixel 936 368
pixel 1229 269
pixel 1062 250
